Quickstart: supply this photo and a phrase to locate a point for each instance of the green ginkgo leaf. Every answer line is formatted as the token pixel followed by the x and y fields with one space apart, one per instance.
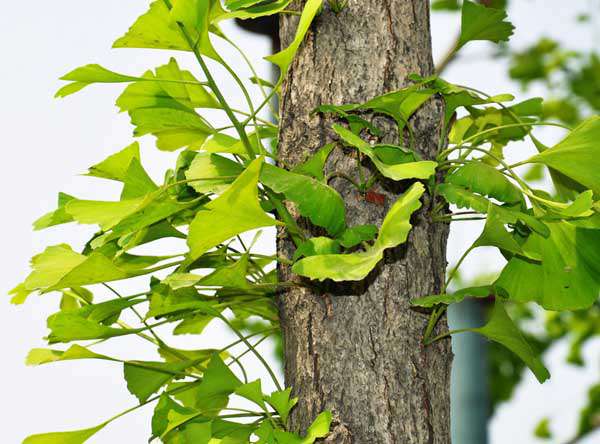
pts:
pixel 496 235
pixel 319 428
pixel 258 10
pixel 356 266
pixel 485 180
pixel 399 171
pixel 56 217
pixel 233 275
pixel 105 214
pixel 317 246
pixel 39 356
pixel 173 128
pixel 479 22
pixel 212 173
pixel 577 156
pixel 456 297
pixel 235 211
pixel 88 75
pixel 568 278
pixel 314 166
pixel 283 59
pixel 282 402
pixel 195 15
pixel 60 267
pixel 115 166
pixel 217 384
pixel 355 235
pixel 144 378
pixel 500 328
pixel 315 200
pixel 253 392
pixel 75 437
pixel 154 29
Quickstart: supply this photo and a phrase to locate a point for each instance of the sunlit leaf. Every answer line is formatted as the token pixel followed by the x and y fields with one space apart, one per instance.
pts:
pixel 501 329
pixel 75 437
pixel 481 23
pixel 144 378
pixel 282 403
pixel 39 356
pixel 88 75
pixel 56 217
pixel 220 171
pixel 217 384
pixel 400 171
pixel 568 276
pixel 283 59
pixel 486 180
pixel 356 266
pixel 235 211
pixel 315 200
pixel 577 156
pixel 253 392
pixel 318 429
pixel 154 29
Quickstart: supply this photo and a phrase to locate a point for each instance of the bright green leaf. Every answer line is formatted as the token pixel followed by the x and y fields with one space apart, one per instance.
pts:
pixel 318 429
pixel 501 329
pixel 220 172
pixel 568 277
pixel 235 211
pixel 315 200
pixel 39 356
pixel 315 164
pixel 356 266
pixel 481 23
pixel 144 378
pixel 409 170
pixel 282 403
pixel 154 29
pixel 75 437
pixel 284 58
pixel 577 156
pixel 486 180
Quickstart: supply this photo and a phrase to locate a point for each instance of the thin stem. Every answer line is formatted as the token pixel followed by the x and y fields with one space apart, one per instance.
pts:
pixel 248 100
pixel 448 333
pixel 449 57
pixel 213 85
pixel 458 264
pixel 246 114
pixel 433 320
pixel 254 351
pixel 254 73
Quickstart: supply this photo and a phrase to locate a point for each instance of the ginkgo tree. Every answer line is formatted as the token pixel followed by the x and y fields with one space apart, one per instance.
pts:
pixel 370 161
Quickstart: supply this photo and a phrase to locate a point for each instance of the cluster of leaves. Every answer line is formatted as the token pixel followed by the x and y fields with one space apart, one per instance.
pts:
pixel 571 78
pixel 222 188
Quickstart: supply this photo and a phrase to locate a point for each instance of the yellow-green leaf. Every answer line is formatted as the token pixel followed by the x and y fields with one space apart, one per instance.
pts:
pixel 235 211
pixel 356 266
pixel 284 58
pixel 482 23
pixel 75 437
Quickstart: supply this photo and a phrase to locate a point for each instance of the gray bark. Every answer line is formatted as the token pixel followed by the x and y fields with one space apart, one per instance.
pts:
pixel 356 349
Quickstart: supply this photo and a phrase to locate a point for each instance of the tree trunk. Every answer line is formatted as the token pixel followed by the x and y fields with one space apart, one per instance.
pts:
pixel 356 349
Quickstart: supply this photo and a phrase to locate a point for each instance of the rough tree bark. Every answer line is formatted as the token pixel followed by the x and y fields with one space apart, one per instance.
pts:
pixel 357 350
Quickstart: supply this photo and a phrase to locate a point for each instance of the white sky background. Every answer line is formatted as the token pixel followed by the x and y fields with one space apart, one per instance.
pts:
pixel 47 142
